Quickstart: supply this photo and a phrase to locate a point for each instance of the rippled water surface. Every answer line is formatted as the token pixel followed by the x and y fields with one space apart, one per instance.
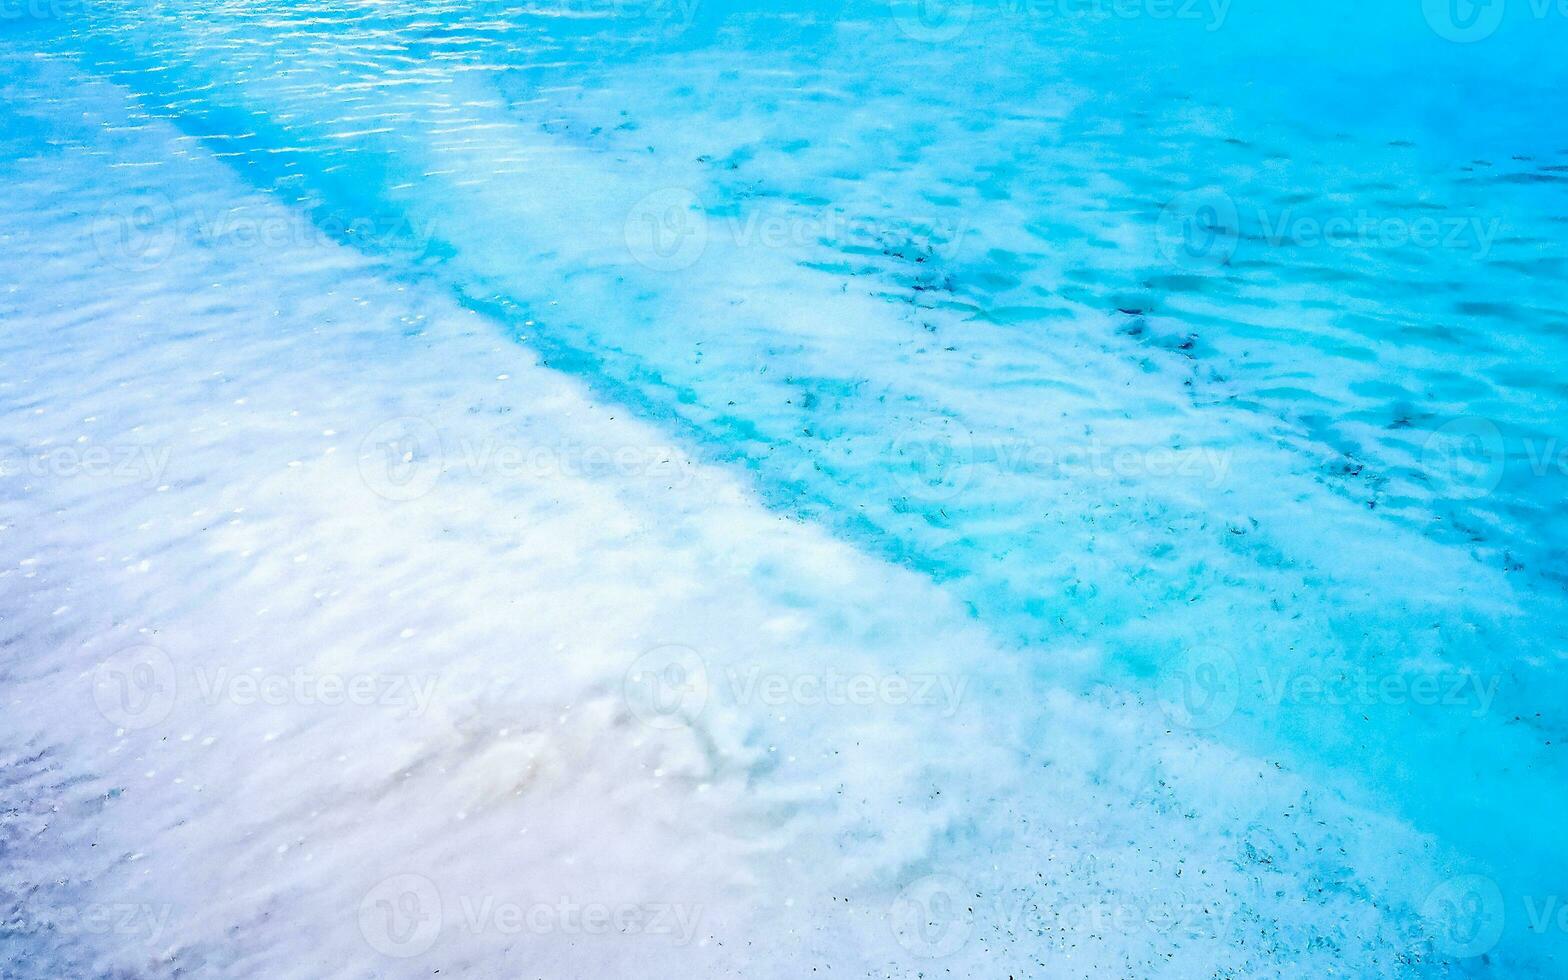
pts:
pixel 1206 359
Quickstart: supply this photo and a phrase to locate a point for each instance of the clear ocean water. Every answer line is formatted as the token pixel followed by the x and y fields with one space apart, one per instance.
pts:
pixel 1177 386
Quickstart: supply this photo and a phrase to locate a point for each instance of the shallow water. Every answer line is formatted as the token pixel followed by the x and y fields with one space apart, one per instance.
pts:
pixel 1212 380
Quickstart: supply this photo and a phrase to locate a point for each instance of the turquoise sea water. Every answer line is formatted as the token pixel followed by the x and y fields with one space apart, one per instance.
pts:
pixel 1210 352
